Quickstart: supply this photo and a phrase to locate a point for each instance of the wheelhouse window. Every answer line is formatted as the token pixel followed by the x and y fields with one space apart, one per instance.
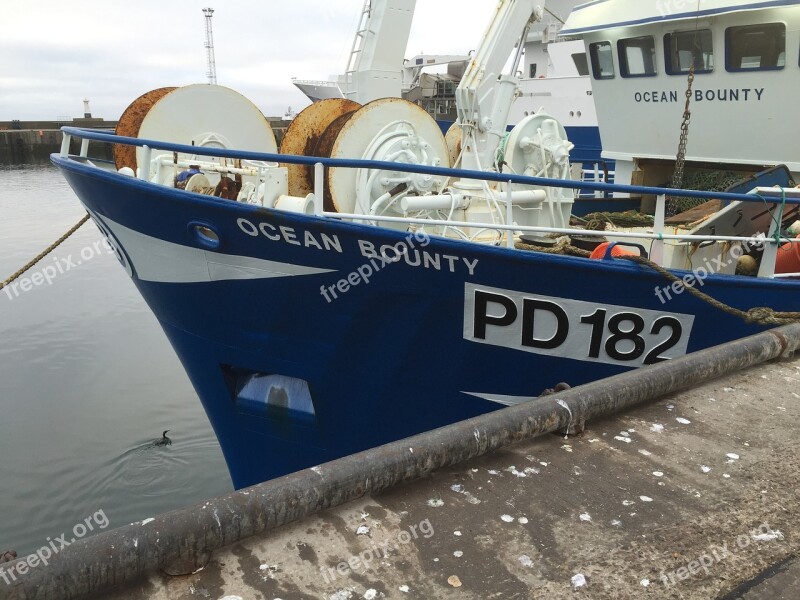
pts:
pixel 683 49
pixel 581 63
pixel 637 56
pixel 755 47
pixel 602 60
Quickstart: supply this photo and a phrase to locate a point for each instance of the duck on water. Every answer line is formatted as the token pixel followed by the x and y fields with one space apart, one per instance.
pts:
pixel 164 441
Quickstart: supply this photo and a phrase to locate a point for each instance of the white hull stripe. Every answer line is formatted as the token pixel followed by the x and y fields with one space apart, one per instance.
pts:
pixel 504 400
pixel 165 262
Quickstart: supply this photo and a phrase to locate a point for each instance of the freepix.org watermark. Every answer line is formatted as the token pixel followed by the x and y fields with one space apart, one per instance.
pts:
pixel 709 267
pixel 364 561
pixel 378 259
pixel 716 554
pixel 57 266
pixel 670 7
pixel 42 556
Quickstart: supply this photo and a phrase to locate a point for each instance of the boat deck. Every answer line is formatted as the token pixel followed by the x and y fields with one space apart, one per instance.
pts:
pixel 691 497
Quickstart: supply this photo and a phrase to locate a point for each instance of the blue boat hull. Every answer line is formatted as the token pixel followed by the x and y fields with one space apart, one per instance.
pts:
pixel 422 342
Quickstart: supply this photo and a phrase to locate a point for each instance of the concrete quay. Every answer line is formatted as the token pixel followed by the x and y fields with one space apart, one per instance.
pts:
pixel 32 142
pixel 692 497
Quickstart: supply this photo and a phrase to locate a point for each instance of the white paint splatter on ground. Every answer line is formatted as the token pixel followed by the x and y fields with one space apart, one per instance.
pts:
pixel 645 453
pixel 726 476
pixel 146 521
pixel 317 470
pixel 628 503
pixel 683 421
pixel 624 434
pixel 522 521
pixel 457 533
pixel 526 561
pixel 404 589
pixel 493 472
pixel 616 523
pixel 729 390
pixel 567 448
pixel 370 594
pixel 513 470
pixel 594 440
pixel 507 518
pixel 705 469
pixel 457 487
pixel 619 438
pixel 645 583
pixel 670 407
pixel 645 498
pixel 768 537
pixel 732 456
pixel 362 530
pixel 435 503
pixel 657 428
pixel 658 474
pixel 458 554
pixel 578 581
pixel 240 598
pixel 586 518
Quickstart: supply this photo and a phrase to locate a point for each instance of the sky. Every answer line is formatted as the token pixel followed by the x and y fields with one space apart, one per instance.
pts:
pixel 55 53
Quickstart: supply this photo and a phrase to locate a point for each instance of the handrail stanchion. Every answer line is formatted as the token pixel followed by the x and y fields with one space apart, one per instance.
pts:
pixel 319 187
pixel 509 216
pixel 65 141
pixel 767 268
pixel 657 249
pixel 84 148
pixel 144 166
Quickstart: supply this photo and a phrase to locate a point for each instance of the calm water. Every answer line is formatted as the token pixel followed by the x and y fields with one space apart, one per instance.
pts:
pixel 87 381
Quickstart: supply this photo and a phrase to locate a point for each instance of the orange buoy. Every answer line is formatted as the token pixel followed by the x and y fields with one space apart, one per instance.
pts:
pixel 788 259
pixel 601 250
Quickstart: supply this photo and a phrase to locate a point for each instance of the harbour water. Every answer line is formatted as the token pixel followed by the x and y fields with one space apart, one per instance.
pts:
pixel 87 381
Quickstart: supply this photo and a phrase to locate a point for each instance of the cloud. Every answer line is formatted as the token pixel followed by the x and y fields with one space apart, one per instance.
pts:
pixel 53 53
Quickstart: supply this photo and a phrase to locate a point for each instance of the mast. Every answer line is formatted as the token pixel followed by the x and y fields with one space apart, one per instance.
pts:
pixel 211 72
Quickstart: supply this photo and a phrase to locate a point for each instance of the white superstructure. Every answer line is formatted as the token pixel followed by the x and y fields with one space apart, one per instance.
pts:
pixel 746 63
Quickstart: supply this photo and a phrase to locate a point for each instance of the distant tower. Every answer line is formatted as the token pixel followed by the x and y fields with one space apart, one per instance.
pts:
pixel 212 65
pixel 87 112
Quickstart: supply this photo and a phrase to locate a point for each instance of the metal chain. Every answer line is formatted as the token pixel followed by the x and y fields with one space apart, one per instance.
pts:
pixel 680 161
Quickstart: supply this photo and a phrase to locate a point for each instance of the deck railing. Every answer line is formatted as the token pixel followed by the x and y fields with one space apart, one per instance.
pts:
pixel 780 198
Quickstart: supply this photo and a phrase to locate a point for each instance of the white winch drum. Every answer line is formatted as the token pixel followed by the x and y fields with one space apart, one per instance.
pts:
pixel 358 134
pixel 205 115
pixel 554 137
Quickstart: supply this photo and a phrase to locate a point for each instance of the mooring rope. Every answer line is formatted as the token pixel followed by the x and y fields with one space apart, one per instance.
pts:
pixel 760 315
pixel 50 248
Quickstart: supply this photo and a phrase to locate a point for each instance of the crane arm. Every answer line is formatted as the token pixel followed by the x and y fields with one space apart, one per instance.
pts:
pixel 485 95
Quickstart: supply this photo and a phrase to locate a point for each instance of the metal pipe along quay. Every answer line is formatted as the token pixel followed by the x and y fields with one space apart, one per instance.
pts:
pixel 182 541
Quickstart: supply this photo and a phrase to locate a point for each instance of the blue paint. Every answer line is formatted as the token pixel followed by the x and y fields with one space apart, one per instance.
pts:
pixel 385 360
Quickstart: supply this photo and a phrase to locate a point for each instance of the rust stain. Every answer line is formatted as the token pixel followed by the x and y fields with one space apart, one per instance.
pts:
pixel 130 122
pixel 303 138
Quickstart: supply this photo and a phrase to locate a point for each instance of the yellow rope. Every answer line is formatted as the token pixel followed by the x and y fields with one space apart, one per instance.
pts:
pixel 52 247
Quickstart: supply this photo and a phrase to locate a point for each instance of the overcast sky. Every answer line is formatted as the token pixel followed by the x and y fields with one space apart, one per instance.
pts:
pixel 55 53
